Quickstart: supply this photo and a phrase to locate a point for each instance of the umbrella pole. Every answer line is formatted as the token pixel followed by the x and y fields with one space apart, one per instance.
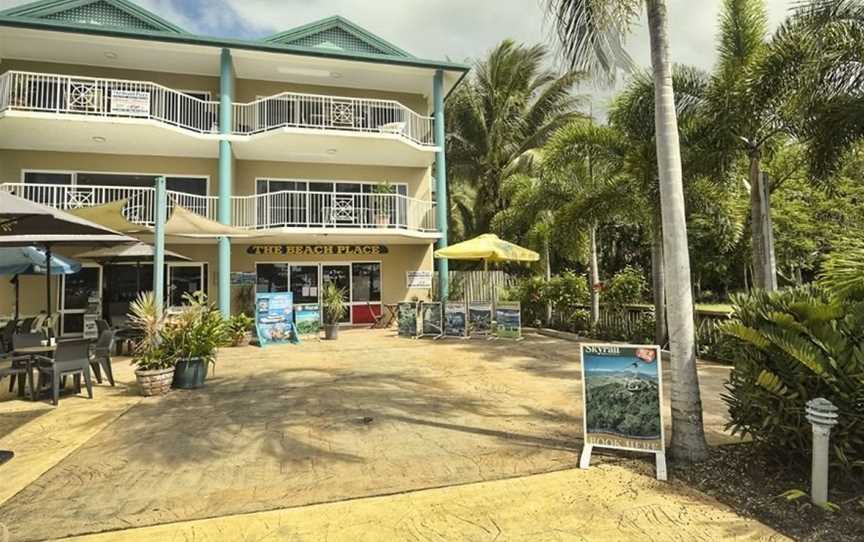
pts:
pixel 137 277
pixel 48 276
pixel 16 280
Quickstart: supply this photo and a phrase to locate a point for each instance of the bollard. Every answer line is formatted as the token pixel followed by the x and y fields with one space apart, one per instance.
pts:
pixel 822 415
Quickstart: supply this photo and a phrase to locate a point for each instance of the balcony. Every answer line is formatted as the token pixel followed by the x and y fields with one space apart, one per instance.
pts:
pixel 131 101
pixel 263 215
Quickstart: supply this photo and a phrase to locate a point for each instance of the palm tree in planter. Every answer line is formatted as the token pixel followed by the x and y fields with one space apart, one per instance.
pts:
pixel 154 367
pixel 192 338
pixel 333 304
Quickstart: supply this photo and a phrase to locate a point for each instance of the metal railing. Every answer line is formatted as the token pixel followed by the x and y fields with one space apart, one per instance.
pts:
pixel 115 98
pixel 275 210
pixel 290 109
pixel 118 98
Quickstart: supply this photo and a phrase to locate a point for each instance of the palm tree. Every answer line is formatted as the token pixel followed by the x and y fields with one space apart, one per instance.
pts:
pixel 508 107
pixel 591 33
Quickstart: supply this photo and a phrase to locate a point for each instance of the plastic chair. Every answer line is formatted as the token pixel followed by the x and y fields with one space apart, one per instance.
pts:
pixel 70 358
pixel 101 359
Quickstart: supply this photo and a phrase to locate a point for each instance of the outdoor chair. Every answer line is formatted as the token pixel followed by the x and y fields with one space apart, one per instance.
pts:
pixel 16 368
pixel 22 340
pixel 6 335
pixel 101 356
pixel 70 358
pixel 26 324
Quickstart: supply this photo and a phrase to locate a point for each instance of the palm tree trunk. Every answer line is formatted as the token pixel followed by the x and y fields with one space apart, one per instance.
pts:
pixel 764 265
pixel 688 435
pixel 548 249
pixel 658 279
pixel 595 278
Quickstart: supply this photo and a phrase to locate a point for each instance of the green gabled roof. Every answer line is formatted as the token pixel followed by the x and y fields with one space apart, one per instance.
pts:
pixel 337 34
pixel 100 13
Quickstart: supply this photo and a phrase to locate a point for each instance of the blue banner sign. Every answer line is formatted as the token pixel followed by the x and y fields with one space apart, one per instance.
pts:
pixel 307 319
pixel 274 318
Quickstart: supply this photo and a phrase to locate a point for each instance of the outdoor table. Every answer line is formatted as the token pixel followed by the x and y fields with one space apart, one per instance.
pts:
pixel 28 352
pixel 388 315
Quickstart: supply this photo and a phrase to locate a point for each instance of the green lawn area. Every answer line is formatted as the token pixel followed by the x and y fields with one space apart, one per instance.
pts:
pixel 720 307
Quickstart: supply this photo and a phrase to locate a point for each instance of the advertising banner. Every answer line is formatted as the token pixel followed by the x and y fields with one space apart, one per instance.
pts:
pixel 432 319
pixel 479 319
pixel 130 102
pixel 455 320
pixel 508 320
pixel 274 317
pixel 307 319
pixel 622 396
pixel 408 318
pixel 421 280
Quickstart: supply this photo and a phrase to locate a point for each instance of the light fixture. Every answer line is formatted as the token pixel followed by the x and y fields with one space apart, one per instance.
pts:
pixel 308 72
pixel 331 152
pixel 98 139
pixel 110 55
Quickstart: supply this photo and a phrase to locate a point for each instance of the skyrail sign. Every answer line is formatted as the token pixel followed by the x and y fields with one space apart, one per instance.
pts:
pixel 316 250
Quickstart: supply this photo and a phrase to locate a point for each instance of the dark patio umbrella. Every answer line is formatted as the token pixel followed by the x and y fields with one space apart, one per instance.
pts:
pixel 25 223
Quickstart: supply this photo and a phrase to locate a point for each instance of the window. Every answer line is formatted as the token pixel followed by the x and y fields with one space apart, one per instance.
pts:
pixel 46 195
pixel 272 277
pixel 366 282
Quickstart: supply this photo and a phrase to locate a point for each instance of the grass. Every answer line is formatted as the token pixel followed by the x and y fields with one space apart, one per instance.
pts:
pixel 719 307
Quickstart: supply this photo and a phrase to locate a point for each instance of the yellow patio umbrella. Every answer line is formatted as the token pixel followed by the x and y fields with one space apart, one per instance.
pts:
pixel 489 248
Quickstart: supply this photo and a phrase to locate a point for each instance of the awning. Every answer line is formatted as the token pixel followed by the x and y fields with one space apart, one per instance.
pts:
pixel 138 252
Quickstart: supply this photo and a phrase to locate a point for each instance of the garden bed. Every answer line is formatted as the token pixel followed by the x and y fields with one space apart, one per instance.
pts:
pixel 751 483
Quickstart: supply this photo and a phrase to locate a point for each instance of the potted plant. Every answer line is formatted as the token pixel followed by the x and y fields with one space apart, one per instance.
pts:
pixel 334 307
pixel 238 329
pixel 382 205
pixel 192 338
pixel 154 369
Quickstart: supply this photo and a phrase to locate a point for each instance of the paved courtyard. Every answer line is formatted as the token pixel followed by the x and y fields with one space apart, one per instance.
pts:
pixel 290 426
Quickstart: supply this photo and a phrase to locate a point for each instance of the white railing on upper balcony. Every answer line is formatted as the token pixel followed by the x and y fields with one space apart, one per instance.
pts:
pixel 290 109
pixel 116 98
pixel 275 210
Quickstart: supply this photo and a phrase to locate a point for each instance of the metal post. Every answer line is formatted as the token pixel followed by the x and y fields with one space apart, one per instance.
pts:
pixel 822 415
pixel 159 218
pixel 441 183
pixel 226 165
pixel 48 277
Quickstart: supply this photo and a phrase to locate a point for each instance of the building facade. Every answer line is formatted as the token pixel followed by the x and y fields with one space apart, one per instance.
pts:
pixel 323 144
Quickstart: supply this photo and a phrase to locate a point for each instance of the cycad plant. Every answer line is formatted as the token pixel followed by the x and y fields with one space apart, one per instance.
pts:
pixel 149 322
pixel 797 345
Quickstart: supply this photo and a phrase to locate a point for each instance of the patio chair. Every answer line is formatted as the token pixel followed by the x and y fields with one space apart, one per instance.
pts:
pixel 102 325
pixel 16 368
pixel 101 356
pixel 70 358
pixel 26 324
pixel 6 335
pixel 22 340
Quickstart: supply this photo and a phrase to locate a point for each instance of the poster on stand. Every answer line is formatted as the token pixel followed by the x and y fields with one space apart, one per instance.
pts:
pixel 455 320
pixel 307 319
pixel 508 320
pixel 408 319
pixel 622 395
pixel 432 324
pixel 274 317
pixel 479 319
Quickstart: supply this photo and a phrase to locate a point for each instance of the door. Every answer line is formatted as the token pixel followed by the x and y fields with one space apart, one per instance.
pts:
pixel 304 283
pixel 184 278
pixel 340 275
pixel 78 289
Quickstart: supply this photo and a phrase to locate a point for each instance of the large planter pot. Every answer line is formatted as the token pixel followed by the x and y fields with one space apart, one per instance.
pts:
pixel 156 382
pixel 331 332
pixel 190 374
pixel 242 341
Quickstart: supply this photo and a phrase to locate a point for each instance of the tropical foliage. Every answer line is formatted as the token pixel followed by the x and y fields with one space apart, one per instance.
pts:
pixel 195 332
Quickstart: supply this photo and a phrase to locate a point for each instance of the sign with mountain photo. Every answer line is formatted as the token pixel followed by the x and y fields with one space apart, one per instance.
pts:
pixel 622 398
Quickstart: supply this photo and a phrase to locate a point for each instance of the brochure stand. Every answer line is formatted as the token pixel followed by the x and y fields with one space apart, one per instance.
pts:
pixel 455 320
pixel 479 319
pixel 431 320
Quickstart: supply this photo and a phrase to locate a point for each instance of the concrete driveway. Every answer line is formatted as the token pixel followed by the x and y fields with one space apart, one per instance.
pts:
pixel 289 426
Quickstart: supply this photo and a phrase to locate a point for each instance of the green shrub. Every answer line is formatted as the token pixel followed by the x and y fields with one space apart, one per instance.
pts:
pixel 568 293
pixel 628 286
pixel 793 346
pixel 530 293
pixel 238 328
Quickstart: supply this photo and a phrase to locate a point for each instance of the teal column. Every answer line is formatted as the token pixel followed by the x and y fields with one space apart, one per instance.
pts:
pixel 226 171
pixel 160 212
pixel 441 183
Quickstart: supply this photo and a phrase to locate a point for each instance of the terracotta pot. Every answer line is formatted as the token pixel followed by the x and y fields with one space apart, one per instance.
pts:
pixel 156 382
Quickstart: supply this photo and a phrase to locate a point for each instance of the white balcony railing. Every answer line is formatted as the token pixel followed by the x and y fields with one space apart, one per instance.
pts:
pixel 275 210
pixel 118 98
pixel 334 113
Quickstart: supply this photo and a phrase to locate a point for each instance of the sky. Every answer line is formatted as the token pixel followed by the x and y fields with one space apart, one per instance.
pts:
pixel 457 30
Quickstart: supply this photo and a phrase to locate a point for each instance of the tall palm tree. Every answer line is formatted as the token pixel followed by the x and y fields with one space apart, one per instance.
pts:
pixel 591 33
pixel 509 106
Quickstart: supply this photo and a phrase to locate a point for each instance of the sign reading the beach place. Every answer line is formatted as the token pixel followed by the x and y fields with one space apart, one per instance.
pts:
pixel 274 317
pixel 622 397
pixel 130 102
pixel 316 250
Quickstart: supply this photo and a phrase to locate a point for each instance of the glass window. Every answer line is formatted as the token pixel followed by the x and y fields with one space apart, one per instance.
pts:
pixel 272 277
pixel 46 195
pixel 366 282
pixel 320 187
pixel 187 185
pixel 304 283
pixel 79 287
pixel 185 279
pixel 37 177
